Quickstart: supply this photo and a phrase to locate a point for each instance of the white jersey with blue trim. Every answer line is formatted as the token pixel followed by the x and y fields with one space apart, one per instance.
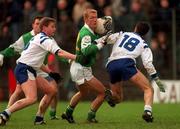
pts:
pixel 131 45
pixel 36 51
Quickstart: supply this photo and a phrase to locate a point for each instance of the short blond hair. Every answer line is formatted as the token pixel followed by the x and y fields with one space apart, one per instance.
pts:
pixel 45 22
pixel 87 12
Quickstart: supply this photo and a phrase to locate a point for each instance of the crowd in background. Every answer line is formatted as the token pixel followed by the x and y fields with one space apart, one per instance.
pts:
pixel 16 17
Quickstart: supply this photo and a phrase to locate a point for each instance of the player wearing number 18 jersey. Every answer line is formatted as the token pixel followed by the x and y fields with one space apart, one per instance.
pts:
pixel 121 66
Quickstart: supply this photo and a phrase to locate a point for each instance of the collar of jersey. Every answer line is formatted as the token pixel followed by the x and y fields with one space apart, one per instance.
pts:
pixel 88 28
pixel 136 34
pixel 32 32
pixel 43 33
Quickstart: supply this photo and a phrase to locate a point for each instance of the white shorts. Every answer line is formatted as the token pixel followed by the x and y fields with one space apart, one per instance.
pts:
pixel 41 73
pixel 30 75
pixel 44 75
pixel 80 73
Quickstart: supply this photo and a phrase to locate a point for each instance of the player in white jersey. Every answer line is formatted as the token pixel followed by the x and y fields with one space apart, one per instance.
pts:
pixel 121 66
pixel 30 61
pixel 49 88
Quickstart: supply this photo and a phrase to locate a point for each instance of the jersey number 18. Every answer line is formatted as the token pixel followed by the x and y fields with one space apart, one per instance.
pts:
pixel 129 43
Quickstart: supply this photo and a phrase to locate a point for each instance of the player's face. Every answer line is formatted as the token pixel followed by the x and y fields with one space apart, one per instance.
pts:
pixel 35 26
pixel 91 21
pixel 50 29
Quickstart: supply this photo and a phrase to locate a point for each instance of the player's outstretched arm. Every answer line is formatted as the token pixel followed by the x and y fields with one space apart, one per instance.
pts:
pixel 64 60
pixel 67 55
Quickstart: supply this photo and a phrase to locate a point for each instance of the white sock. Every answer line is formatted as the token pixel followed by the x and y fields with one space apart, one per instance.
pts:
pixel 148 108
pixel 8 112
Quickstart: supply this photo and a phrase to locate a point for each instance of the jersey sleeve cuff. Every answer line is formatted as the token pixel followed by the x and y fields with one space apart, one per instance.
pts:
pixel 100 46
pixel 56 53
pixel 154 76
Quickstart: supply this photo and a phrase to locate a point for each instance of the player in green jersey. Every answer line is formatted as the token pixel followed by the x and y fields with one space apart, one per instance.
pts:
pixel 82 73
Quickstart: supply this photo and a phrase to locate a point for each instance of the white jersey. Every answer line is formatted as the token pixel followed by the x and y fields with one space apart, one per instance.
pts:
pixel 36 51
pixel 131 45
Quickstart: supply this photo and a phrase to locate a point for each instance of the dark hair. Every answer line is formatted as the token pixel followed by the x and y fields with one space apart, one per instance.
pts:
pixel 37 17
pixel 45 22
pixel 142 28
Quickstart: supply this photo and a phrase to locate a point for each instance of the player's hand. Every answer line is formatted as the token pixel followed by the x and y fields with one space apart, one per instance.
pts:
pixel 1 59
pixel 160 84
pixel 56 76
pixel 107 36
pixel 103 40
pixel 83 60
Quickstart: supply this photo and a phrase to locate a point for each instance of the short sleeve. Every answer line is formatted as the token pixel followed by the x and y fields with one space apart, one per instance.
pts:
pixel 50 45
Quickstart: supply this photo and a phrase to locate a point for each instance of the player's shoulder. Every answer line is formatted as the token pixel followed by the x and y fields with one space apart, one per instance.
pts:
pixel 42 37
pixel 131 34
pixel 83 32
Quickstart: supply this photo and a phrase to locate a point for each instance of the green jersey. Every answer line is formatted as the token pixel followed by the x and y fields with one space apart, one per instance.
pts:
pixel 18 46
pixel 85 46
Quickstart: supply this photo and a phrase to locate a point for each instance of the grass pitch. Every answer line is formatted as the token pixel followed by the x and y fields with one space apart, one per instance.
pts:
pixel 126 115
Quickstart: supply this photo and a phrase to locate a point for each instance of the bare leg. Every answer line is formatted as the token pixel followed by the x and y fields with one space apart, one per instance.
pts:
pixel 94 85
pixel 83 91
pixel 53 106
pixel 30 90
pixel 98 87
pixel 117 92
pixel 142 82
pixel 15 96
pixel 49 90
pixel 54 102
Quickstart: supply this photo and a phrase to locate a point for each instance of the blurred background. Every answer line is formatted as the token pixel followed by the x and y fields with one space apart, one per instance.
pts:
pixel 162 15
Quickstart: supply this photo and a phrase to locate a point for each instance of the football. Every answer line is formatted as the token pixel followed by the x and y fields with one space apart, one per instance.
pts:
pixel 104 24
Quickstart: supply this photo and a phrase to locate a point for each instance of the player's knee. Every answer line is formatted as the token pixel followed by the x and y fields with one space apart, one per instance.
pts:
pixel 83 94
pixel 101 92
pixel 53 92
pixel 32 100
pixel 18 92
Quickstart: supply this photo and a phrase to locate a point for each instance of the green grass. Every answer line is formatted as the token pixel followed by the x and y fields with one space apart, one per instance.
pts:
pixel 126 115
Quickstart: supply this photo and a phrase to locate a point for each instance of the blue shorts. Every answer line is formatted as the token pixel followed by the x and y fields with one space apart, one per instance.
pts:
pixel 121 70
pixel 21 72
